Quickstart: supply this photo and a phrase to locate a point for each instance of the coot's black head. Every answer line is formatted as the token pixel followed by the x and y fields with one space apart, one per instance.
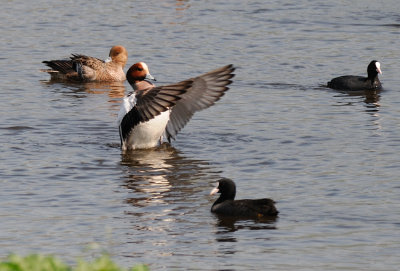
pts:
pixel 226 188
pixel 373 69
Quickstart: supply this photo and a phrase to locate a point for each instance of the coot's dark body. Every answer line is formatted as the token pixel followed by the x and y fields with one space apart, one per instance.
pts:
pixel 357 83
pixel 226 205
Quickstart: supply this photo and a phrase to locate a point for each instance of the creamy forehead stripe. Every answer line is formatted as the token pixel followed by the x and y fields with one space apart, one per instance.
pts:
pixel 144 65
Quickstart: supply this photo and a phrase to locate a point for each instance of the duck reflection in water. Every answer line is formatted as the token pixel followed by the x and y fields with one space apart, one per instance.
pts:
pixel 162 175
pixel 147 174
pixel 114 90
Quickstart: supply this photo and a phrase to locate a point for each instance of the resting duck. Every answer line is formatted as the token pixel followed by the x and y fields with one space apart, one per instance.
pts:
pixel 357 83
pixel 150 113
pixel 228 206
pixel 81 68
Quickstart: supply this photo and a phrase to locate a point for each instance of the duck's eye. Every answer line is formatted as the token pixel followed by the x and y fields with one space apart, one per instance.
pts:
pixel 140 69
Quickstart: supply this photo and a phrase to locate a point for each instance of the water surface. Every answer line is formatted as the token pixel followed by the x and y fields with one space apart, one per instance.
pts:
pixel 329 159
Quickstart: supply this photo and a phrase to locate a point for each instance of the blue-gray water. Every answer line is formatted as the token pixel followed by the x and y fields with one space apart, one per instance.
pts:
pixel 330 160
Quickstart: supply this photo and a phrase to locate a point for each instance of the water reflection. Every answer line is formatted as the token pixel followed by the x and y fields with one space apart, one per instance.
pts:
pixel 161 175
pixel 147 173
pixel 371 103
pixel 232 224
pixel 180 11
pixel 371 97
pixel 182 5
pixel 115 90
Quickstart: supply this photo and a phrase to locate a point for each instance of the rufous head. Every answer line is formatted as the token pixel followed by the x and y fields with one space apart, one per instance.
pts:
pixel 138 72
pixel 118 54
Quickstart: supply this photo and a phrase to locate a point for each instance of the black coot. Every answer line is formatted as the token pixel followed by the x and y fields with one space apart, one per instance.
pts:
pixel 226 205
pixel 352 82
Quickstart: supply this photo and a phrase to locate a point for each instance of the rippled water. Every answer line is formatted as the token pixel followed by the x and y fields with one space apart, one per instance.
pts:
pixel 329 159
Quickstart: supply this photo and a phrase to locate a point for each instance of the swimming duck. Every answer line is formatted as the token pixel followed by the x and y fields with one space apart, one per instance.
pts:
pixel 82 68
pixel 357 83
pixel 150 113
pixel 227 205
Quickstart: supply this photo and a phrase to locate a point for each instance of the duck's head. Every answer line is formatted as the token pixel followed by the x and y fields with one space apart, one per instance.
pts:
pixel 118 54
pixel 138 72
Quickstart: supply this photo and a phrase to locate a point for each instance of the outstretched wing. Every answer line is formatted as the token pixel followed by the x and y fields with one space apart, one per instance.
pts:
pixel 204 92
pixel 147 104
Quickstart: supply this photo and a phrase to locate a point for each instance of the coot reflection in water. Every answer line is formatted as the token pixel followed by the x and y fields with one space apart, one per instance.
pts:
pixel 371 97
pixel 232 224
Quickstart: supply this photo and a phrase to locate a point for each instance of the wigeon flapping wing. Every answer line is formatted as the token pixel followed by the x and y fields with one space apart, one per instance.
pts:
pixel 82 68
pixel 206 89
pixel 150 112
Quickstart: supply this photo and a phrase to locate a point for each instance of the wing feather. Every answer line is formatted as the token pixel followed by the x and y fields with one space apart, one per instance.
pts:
pixel 147 104
pixel 205 91
pixel 63 66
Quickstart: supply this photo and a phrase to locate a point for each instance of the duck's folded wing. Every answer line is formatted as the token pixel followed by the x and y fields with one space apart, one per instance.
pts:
pixel 87 60
pixel 205 91
pixel 147 104
pixel 81 61
pixel 62 66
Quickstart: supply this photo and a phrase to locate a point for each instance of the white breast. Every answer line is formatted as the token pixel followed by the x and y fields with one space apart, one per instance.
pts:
pixel 128 103
pixel 147 134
